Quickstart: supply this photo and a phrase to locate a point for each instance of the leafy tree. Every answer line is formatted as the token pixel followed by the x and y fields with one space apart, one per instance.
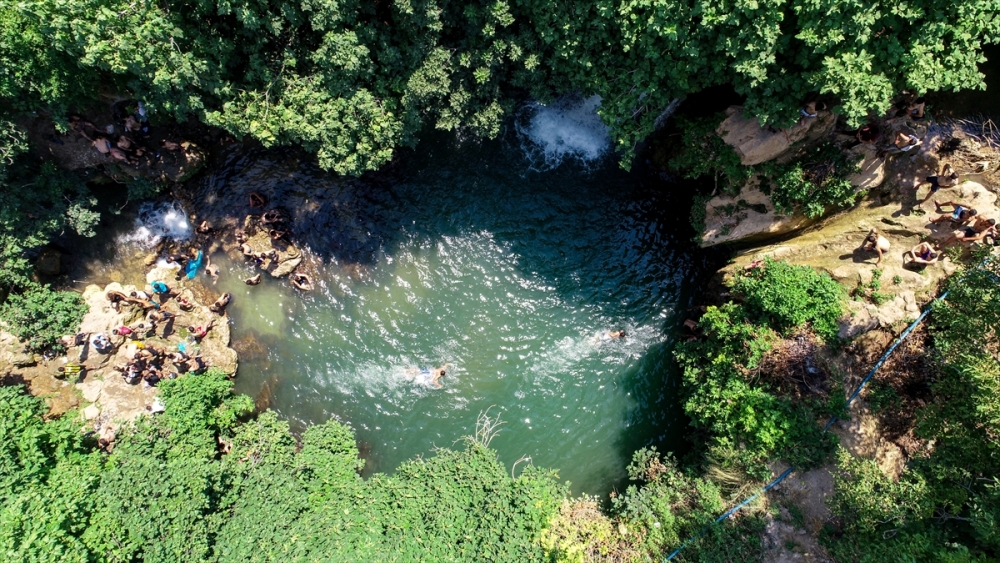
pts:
pixel 789 296
pixel 40 316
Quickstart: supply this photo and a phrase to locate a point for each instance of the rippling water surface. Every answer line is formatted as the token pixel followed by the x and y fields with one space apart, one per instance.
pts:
pixel 461 254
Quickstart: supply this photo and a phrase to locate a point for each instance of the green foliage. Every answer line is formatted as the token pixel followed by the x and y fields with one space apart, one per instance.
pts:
pixel 40 316
pixel 944 505
pixel 789 296
pixel 738 414
pixel 166 493
pixel 704 154
pixel 814 181
pixel 352 81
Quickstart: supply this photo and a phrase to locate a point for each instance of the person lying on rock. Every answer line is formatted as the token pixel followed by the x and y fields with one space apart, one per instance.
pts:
pixel 80 125
pixel 876 242
pixel 960 213
pixel 979 230
pixel 102 145
pixel 220 304
pixel 948 178
pixel 903 142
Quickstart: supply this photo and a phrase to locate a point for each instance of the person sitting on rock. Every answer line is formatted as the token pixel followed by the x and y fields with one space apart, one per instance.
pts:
pixel 241 236
pixel 257 200
pixel 254 280
pixel 204 228
pixel 178 259
pixel 193 365
pixel 160 288
pixel 876 242
pixel 922 254
pixel 960 213
pixel 170 145
pixel 275 234
pixel 247 250
pixel 101 343
pixel 116 298
pixel 301 281
pixel 868 134
pixel 272 216
pixel 220 304
pixel 812 109
pixel 979 230
pixel 916 109
pixel 902 143
pixel 199 332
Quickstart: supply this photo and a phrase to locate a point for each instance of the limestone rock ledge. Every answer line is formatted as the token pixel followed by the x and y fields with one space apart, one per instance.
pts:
pixel 833 246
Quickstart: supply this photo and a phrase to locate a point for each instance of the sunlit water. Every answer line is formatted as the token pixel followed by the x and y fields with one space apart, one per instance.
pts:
pixel 461 255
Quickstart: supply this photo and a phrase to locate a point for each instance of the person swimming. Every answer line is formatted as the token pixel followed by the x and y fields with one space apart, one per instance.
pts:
pixel 254 280
pixel 427 376
pixel 301 281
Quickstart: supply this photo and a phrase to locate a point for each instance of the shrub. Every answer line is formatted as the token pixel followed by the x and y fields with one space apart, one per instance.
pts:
pixel 40 316
pixel 812 182
pixel 789 296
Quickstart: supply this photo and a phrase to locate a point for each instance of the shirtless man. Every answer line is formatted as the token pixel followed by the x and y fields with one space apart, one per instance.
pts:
pixel 948 178
pixel 876 242
pixel 427 376
pixel 960 214
pixel 102 145
pixel 980 229
pixel 922 254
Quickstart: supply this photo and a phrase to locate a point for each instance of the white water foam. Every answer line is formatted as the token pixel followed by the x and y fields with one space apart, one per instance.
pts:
pixel 567 129
pixel 157 221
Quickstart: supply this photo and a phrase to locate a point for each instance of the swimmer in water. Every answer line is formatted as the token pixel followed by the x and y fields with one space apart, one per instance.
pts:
pixel 252 280
pixel 426 376
pixel 301 281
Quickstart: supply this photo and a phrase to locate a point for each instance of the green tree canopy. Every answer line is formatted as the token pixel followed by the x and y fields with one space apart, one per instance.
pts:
pixel 351 81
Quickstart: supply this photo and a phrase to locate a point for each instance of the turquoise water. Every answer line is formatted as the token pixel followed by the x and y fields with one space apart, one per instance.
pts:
pixel 505 260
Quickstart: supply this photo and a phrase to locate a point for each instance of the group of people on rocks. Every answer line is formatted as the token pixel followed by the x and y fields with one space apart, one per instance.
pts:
pixel 277 229
pixel 126 147
pixel 966 223
pixel 148 363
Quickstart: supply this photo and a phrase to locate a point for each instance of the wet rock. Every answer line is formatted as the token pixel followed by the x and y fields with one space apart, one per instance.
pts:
pixel 50 262
pixel 755 144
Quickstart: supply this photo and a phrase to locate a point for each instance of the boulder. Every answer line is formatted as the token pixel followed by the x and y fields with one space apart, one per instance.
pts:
pixel 755 144
pixel 748 218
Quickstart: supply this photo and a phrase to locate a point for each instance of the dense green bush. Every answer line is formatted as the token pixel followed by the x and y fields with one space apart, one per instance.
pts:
pixel 811 183
pixel 40 316
pixel 352 81
pixel 735 411
pixel 789 296
pixel 169 493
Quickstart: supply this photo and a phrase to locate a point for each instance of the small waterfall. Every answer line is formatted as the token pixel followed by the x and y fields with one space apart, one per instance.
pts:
pixel 157 221
pixel 567 129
